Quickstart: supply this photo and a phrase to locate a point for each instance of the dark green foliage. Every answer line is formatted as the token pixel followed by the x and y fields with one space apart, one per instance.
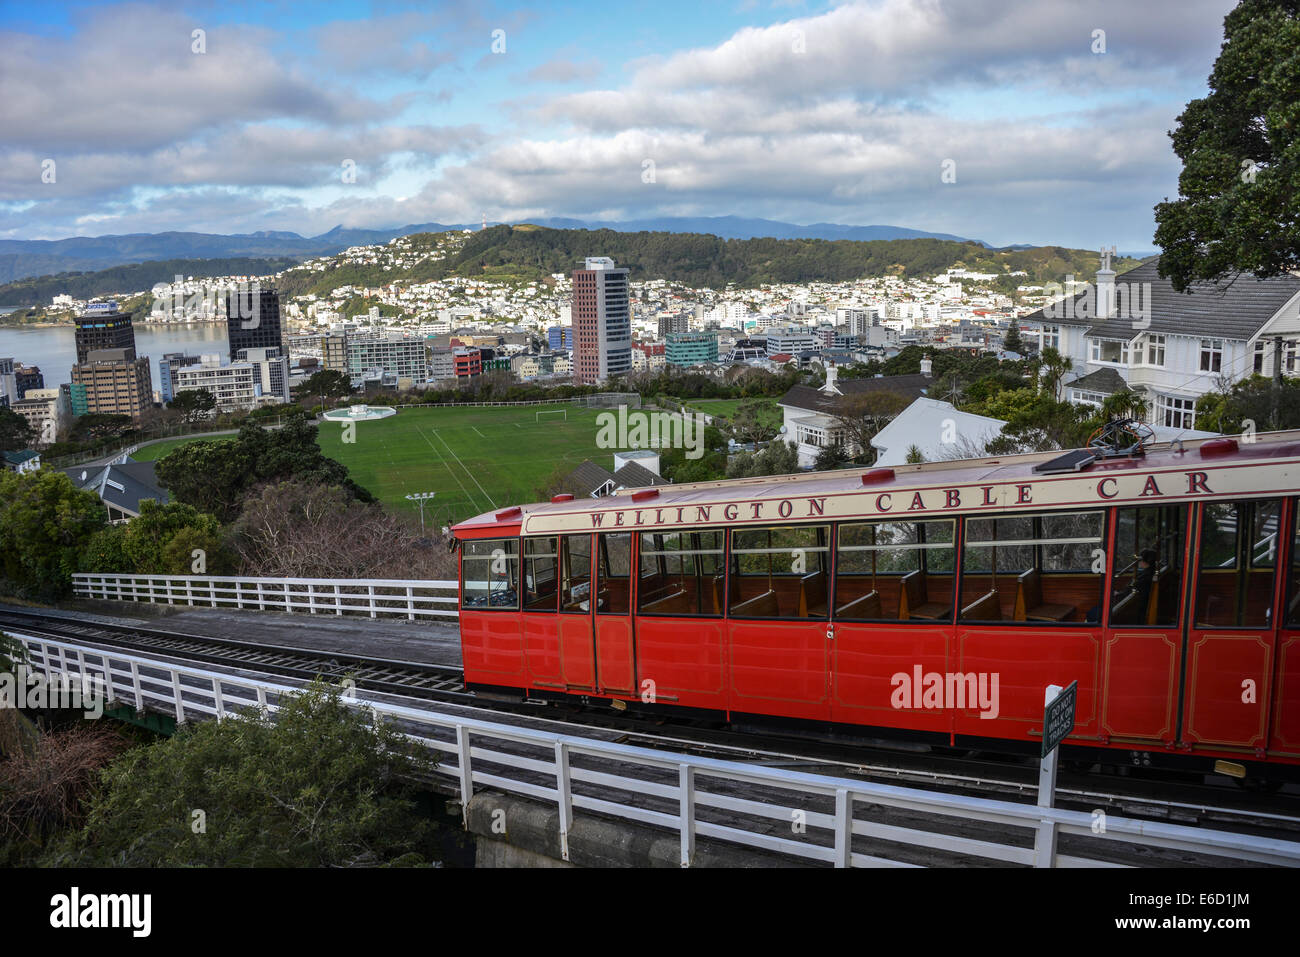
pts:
pixel 321 786
pixel 15 433
pixel 146 275
pixel 45 522
pixel 533 253
pixel 1238 205
pixel 1254 400
pixel 215 476
pixel 161 540
pixel 193 403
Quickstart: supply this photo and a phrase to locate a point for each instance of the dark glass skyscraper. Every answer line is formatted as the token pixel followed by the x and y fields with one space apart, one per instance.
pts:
pixel 253 320
pixel 102 326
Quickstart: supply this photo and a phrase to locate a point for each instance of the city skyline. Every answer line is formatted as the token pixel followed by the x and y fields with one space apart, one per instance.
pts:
pixel 1013 122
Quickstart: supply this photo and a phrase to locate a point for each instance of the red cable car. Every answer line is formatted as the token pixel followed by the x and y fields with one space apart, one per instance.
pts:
pixel 936 599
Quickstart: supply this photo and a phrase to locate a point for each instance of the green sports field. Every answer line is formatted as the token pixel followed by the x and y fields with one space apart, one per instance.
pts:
pixel 726 408
pixel 476 459
pixel 152 453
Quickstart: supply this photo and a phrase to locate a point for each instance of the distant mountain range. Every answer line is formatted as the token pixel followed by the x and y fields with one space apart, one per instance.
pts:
pixel 23 258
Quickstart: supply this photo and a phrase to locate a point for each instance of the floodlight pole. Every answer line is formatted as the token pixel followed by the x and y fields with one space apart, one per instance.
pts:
pixel 421 498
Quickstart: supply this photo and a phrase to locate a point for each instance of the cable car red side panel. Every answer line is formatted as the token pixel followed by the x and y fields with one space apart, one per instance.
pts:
pixel 684 659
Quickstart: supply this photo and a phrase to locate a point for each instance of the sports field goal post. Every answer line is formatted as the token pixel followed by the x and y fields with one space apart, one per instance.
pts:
pixel 610 400
pixel 537 416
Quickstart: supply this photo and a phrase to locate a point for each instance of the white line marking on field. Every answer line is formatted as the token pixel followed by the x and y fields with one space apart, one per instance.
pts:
pixel 480 433
pixel 467 471
pixel 443 459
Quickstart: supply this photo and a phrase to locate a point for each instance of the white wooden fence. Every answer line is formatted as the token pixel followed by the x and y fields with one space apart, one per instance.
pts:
pixel 746 804
pixel 372 597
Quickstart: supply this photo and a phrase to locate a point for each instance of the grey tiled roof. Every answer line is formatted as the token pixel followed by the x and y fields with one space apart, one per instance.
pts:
pixel 633 475
pixel 1237 307
pixel 910 387
pixel 136 479
pixel 591 476
pixel 1106 381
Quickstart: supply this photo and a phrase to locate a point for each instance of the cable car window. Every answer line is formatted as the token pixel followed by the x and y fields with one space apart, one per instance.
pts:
pixel 1293 590
pixel 614 573
pixel 681 573
pixel 780 572
pixel 1147 586
pixel 575 573
pixel 489 574
pixel 1239 547
pixel 1033 569
pixel 541 573
pixel 895 571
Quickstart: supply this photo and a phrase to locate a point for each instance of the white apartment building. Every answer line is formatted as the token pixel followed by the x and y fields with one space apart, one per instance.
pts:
pixel 237 385
pixel 403 356
pixel 790 340
pixel 45 411
pixel 1135 332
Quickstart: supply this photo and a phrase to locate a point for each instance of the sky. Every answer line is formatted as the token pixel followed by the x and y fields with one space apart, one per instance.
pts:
pixel 1010 121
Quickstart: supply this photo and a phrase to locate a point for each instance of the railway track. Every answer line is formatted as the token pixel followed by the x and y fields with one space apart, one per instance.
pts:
pixel 1153 798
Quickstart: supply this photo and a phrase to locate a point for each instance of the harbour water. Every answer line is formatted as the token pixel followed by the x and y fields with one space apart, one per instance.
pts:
pixel 53 348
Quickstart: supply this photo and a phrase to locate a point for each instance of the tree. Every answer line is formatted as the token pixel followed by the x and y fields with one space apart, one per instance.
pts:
pixel 161 540
pixel 320 786
pixel 914 455
pixel 1238 207
pixel 327 382
pixel 775 458
pixel 1011 342
pixel 301 529
pixel 753 422
pixel 831 457
pixel 1252 402
pixel 1052 367
pixel 863 414
pixel 45 522
pixel 215 476
pixel 193 404
pixel 15 432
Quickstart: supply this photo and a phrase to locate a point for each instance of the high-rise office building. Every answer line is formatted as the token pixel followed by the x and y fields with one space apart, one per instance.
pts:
pixel 102 326
pixel 253 320
pixel 602 321
pixel 26 378
pixel 673 323
pixel 8 383
pixel 167 367
pixel 115 382
pixel 691 348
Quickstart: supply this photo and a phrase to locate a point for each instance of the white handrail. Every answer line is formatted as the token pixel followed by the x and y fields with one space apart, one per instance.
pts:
pixel 372 597
pixel 678 785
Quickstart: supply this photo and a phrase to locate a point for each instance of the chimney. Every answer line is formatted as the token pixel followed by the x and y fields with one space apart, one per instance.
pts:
pixel 830 388
pixel 926 366
pixel 1106 286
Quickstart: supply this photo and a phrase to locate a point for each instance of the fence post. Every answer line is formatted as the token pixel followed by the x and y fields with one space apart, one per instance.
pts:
pixel 410 603
pixel 565 794
pixel 261 600
pixel 370 590
pixel 135 686
pixel 1045 833
pixel 216 698
pixel 843 828
pixel 466 772
pixel 176 697
pixel 686 782
pixel 338 600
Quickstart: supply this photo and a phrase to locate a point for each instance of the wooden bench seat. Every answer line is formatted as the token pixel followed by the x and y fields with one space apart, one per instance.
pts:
pixel 812 595
pixel 868 606
pixel 985 608
pixel 913 601
pixel 674 601
pixel 1029 600
pixel 760 606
